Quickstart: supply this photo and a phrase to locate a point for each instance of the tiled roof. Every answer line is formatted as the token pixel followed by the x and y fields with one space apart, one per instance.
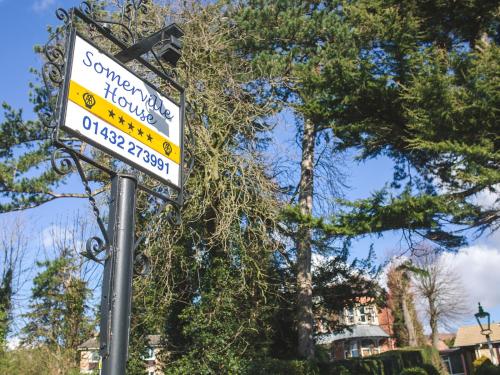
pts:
pixel 471 335
pixel 93 343
pixel 358 331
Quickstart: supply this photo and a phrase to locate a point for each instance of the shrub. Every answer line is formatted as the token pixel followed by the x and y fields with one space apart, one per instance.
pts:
pixel 365 366
pixel 483 360
pixel 283 367
pixel 396 362
pixel 488 370
pixel 483 366
pixel 430 369
pixel 414 371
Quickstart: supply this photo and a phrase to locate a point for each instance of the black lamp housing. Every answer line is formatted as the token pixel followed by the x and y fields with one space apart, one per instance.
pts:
pixel 171 45
pixel 483 318
pixel 166 43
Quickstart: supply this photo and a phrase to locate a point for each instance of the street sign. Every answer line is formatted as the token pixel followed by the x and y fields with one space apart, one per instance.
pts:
pixel 111 108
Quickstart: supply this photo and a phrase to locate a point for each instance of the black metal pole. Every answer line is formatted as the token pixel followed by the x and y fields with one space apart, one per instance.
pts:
pixel 116 299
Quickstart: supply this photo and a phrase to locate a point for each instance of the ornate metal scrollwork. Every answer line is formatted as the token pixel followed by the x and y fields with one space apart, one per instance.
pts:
pixel 53 69
pixel 86 8
pixel 65 160
pixel 93 247
pixel 62 15
pixel 123 31
pixel 62 165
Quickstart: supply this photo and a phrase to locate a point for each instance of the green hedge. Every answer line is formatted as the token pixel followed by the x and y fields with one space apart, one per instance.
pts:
pixel 414 371
pixel 282 367
pixel 488 368
pixel 365 366
pixel 421 361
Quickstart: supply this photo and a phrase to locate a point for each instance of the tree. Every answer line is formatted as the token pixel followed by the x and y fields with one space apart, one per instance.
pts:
pixel 288 44
pixel 407 328
pixel 440 286
pixel 210 291
pixel 14 245
pixel 388 79
pixel 57 312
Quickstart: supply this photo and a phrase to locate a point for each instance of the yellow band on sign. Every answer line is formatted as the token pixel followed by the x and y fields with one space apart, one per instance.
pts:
pixel 119 119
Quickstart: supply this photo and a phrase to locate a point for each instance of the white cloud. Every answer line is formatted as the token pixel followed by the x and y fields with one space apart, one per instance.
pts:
pixel 488 199
pixel 51 235
pixel 41 5
pixel 479 267
pixel 13 342
pixel 57 237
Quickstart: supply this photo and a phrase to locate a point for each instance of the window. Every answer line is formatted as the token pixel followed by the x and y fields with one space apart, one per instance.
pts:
pixel 349 316
pixel 362 314
pixel 149 354
pixel 370 314
pixel 94 357
pixel 354 351
pixel 367 348
pixel 447 362
pixel 454 364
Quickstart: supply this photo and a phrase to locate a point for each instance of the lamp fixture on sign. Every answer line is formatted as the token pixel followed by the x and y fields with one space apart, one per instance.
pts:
pixel 166 42
pixel 483 318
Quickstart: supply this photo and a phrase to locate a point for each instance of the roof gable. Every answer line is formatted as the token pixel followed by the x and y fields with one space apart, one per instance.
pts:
pixel 471 335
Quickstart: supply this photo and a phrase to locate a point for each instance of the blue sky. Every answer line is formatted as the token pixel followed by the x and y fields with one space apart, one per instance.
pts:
pixel 23 24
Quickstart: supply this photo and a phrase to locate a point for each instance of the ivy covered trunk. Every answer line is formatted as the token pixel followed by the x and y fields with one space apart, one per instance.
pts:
pixel 304 276
pixel 412 337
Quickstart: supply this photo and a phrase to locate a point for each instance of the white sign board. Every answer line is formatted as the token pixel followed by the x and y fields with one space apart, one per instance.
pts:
pixel 119 113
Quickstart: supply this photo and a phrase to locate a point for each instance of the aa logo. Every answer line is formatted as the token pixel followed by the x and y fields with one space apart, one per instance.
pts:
pixel 167 148
pixel 89 100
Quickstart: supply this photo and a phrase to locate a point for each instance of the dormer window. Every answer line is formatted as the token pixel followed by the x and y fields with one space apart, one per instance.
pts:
pixel 350 316
pixel 363 317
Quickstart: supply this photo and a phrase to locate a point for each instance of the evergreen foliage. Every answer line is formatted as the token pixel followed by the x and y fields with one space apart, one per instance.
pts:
pixel 389 81
pixel 5 306
pixel 57 316
pixel 416 81
pixel 393 79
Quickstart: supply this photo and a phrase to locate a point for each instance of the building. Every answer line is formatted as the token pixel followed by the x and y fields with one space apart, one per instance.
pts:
pixel 469 345
pixel 90 360
pixel 370 332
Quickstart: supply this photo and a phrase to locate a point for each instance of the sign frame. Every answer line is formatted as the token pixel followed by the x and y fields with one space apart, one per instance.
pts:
pixel 63 100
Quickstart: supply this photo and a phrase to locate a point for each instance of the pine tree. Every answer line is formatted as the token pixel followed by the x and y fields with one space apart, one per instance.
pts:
pixel 406 80
pixel 5 306
pixel 57 316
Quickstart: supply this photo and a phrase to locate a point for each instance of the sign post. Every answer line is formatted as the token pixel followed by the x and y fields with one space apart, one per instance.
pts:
pixel 117 112
pixel 103 103
pixel 116 298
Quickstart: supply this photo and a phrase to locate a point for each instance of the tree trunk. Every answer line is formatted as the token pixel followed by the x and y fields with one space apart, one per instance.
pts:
pixel 412 336
pixel 433 323
pixel 304 278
